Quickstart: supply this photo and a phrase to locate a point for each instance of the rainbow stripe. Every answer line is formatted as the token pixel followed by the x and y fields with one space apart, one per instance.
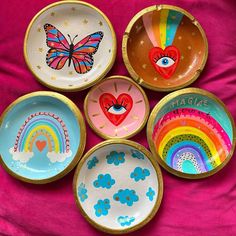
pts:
pixel 44 124
pixel 161 26
pixel 191 141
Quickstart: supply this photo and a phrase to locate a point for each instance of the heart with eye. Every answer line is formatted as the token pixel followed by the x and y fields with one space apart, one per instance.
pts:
pixel 165 61
pixel 116 109
pixel 41 145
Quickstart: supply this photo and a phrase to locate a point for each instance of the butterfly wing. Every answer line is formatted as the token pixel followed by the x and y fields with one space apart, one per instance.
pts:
pixel 56 58
pixel 59 52
pixel 82 54
pixel 55 39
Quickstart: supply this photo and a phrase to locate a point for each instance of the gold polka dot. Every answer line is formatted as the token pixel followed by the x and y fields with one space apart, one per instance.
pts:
pixel 53 78
pixel 39 29
pixel 180 37
pixel 193 33
pixel 199 52
pixel 70 72
pixel 190 67
pixel 66 23
pixel 155 78
pixel 141 42
pixel 189 47
pixel 182 57
pixel 40 49
pixel 100 23
pixel 144 66
pixel 133 54
pixel 85 21
pixel 180 76
pixel 39 67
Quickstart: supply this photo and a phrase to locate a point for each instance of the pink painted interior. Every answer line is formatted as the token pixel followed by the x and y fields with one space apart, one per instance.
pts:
pixel 137 110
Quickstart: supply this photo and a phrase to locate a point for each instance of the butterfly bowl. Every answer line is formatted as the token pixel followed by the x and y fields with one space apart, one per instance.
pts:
pixel 191 133
pixel 164 48
pixel 70 45
pixel 118 186
pixel 36 133
pixel 116 107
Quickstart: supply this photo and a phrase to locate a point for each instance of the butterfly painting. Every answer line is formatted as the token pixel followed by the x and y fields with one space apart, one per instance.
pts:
pixel 61 51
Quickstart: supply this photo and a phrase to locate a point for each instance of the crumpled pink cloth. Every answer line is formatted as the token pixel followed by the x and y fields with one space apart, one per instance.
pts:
pixel 201 207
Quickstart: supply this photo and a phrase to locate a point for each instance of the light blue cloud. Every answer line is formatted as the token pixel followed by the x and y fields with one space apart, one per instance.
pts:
pixel 139 174
pixel 150 194
pixel 104 181
pixel 102 207
pixel 92 163
pixel 137 154
pixel 82 192
pixel 125 220
pixel 126 196
pixel 116 158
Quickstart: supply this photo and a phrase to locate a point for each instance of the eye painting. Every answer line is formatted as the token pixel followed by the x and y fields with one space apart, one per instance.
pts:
pixel 165 61
pixel 116 109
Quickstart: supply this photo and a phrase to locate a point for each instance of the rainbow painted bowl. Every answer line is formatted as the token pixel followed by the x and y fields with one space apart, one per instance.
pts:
pixel 118 186
pixel 191 133
pixel 42 136
pixel 164 48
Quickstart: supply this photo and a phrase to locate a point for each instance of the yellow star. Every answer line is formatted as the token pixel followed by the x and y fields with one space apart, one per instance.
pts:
pixel 53 14
pixel 70 72
pixel 100 23
pixel 66 23
pixel 85 21
pixel 53 78
pixel 39 29
pixel 40 49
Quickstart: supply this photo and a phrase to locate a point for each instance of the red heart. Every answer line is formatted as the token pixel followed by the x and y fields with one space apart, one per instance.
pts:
pixel 110 106
pixel 41 145
pixel 170 55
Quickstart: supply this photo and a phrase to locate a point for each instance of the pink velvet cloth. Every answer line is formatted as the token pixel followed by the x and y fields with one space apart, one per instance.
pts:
pixel 201 207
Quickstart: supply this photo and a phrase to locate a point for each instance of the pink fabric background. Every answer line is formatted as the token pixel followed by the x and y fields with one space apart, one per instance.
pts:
pixel 203 207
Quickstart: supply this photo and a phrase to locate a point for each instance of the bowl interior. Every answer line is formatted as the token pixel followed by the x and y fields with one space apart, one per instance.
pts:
pixel 117 187
pixel 116 108
pixel 192 133
pixel 39 131
pixel 70 19
pixel 166 49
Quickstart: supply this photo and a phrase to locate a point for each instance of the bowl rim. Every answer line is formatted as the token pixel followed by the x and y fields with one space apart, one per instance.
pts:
pixel 102 134
pixel 155 165
pixel 152 118
pixel 66 89
pixel 125 56
pixel 80 120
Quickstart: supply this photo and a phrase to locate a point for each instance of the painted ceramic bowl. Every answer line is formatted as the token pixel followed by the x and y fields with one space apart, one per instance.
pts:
pixel 164 48
pixel 191 133
pixel 116 108
pixel 70 45
pixel 36 133
pixel 118 186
